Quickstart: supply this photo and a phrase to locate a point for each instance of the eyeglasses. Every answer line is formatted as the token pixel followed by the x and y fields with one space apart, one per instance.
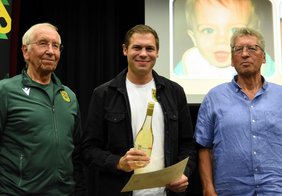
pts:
pixel 250 49
pixel 44 44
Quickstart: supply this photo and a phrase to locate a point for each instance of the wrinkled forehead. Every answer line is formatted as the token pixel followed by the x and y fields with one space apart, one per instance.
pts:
pixel 246 40
pixel 45 33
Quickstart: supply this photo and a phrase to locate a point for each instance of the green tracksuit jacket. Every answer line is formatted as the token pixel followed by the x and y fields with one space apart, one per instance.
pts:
pixel 39 138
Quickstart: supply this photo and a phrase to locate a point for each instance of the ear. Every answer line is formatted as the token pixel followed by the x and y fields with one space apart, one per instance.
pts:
pixel 25 51
pixel 124 50
pixel 264 58
pixel 192 36
pixel 232 60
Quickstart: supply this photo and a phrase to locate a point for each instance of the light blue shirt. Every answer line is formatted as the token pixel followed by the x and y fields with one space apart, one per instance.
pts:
pixel 246 138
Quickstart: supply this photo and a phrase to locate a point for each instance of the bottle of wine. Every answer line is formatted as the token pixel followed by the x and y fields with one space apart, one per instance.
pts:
pixel 144 138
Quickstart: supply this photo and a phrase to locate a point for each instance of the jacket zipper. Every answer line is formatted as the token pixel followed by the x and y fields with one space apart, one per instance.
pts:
pixel 21 169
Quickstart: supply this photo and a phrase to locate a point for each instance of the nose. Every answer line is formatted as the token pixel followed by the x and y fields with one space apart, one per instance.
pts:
pixel 245 52
pixel 222 36
pixel 50 48
pixel 143 52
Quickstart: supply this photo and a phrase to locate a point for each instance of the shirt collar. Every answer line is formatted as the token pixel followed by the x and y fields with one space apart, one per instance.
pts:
pixel 235 86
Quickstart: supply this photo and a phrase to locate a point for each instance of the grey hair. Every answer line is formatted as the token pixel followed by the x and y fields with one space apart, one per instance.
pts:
pixel 245 31
pixel 28 36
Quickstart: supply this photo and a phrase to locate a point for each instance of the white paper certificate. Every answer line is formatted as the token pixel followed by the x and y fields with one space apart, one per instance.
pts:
pixel 157 178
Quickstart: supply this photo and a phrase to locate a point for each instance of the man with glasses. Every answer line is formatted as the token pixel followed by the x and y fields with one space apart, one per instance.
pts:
pixel 39 123
pixel 239 127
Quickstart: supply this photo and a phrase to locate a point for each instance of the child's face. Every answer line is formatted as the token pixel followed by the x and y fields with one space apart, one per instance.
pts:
pixel 214 26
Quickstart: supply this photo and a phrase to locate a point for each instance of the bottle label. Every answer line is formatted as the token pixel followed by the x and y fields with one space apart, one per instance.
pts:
pixel 147 150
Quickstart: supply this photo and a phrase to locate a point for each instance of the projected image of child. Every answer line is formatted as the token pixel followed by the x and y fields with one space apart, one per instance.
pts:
pixel 210 25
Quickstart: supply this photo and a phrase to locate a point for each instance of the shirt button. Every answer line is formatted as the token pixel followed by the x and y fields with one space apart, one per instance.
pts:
pixel 255 152
pixel 254 136
pixel 253 120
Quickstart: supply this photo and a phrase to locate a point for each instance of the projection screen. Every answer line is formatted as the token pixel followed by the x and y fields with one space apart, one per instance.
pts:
pixel 194 39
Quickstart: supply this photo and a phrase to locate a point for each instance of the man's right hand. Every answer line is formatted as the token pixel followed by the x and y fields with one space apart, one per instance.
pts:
pixel 133 159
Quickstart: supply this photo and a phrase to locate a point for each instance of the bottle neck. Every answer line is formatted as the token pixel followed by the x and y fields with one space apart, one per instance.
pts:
pixel 149 112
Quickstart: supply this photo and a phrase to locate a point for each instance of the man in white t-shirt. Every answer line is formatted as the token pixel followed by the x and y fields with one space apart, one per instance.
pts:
pixel 117 111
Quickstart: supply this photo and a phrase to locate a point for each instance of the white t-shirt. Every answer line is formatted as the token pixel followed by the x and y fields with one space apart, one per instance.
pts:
pixel 139 96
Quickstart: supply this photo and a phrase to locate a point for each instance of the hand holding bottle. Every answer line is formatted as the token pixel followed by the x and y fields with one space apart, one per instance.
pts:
pixel 139 156
pixel 133 159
